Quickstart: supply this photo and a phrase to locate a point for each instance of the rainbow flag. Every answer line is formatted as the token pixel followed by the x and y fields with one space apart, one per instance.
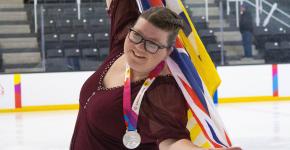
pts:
pixel 197 77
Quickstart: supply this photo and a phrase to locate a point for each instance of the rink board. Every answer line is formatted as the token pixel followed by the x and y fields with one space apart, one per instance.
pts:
pixel 45 91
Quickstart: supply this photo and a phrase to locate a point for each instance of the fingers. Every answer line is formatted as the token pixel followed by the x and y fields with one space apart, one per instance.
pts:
pixel 231 148
pixel 234 148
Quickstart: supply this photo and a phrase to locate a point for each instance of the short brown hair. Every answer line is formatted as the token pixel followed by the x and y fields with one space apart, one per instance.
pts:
pixel 164 19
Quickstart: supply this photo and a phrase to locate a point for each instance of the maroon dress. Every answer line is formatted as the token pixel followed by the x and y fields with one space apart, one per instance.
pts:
pixel 100 124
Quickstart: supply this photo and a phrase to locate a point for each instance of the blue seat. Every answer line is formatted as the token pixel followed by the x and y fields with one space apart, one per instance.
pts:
pixel 262 35
pixel 102 40
pixel 52 41
pixel 90 64
pixel 199 22
pixel 72 52
pixel 273 53
pixel 81 25
pixel 68 40
pixel 49 25
pixel 52 53
pixel 207 36
pixel 90 52
pixel 85 40
pixel 58 64
pixel 285 45
pixel 214 51
pixel 1 63
pixel 64 25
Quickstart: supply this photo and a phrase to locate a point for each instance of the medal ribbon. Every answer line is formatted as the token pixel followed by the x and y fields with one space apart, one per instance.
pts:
pixel 131 112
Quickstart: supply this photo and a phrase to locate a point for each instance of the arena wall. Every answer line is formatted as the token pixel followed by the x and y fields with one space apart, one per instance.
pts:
pixel 51 91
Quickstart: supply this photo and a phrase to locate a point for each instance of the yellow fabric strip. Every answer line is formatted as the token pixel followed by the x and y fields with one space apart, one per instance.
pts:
pixel 199 56
pixel 206 145
pixel 252 99
pixel 41 108
pixel 194 132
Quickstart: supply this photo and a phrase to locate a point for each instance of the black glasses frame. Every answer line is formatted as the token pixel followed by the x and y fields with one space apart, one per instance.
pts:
pixel 142 39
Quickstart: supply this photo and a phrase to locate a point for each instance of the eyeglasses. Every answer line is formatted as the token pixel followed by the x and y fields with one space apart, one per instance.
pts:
pixel 149 46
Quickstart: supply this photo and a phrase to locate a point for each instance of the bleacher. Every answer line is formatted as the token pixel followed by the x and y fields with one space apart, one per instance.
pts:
pixel 274 43
pixel 61 1
pixel 277 52
pixel 274 32
pixel 1 63
pixel 206 35
pixel 68 42
pixel 84 42
pixel 70 39
pixel 73 43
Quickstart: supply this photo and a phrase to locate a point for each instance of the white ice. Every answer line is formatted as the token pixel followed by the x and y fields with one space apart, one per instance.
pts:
pixel 253 126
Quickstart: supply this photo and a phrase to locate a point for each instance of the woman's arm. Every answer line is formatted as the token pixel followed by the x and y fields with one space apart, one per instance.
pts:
pixel 108 3
pixel 172 144
pixel 185 144
pixel 122 13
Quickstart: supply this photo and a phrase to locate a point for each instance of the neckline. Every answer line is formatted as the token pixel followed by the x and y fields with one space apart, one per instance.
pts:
pixel 101 86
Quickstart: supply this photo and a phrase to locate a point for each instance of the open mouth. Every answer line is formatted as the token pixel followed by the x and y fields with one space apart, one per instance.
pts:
pixel 138 56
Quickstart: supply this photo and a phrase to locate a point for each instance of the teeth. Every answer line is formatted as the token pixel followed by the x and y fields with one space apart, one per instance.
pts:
pixel 138 55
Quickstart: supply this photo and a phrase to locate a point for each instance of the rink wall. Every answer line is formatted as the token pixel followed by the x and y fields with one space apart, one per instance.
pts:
pixel 51 91
pixel 254 83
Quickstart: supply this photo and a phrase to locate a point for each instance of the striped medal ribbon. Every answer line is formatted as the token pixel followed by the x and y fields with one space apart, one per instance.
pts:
pixel 132 138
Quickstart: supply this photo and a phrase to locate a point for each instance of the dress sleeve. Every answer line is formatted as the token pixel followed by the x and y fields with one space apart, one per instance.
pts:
pixel 123 14
pixel 166 111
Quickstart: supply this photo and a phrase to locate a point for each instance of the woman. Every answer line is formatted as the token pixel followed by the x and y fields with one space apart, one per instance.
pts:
pixel 138 50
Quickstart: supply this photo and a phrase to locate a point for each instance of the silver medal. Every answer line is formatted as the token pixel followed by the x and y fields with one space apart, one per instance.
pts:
pixel 131 139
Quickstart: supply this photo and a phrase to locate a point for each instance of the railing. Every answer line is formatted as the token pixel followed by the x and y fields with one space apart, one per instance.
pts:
pixel 78 2
pixel 278 10
pixel 258 5
pixel 213 32
pixel 206 10
pixel 44 32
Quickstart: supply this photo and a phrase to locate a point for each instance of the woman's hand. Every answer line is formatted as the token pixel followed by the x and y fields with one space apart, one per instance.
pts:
pixel 108 2
pixel 185 144
pixel 231 148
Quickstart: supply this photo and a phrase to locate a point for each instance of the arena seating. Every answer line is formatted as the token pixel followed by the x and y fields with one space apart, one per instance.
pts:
pixel 62 1
pixel 214 51
pixel 276 52
pixel 56 64
pixel 63 30
pixel 207 36
pixel 199 23
pixel 280 34
pixel 261 35
pixel 285 45
pixel 273 43
pixel 271 33
pixel 84 41
pixel 79 42
pixel 1 62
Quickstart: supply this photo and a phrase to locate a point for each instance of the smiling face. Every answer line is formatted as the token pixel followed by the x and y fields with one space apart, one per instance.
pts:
pixel 137 57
